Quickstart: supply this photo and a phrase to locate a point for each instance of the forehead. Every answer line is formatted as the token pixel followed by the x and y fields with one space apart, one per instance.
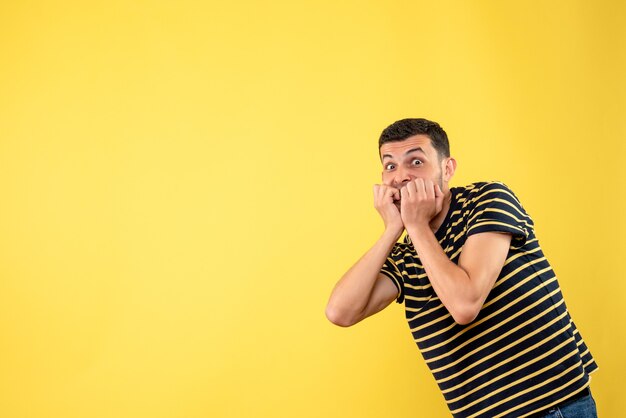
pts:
pixel 397 148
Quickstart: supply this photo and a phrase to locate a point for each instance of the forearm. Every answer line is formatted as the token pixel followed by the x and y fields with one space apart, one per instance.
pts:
pixel 351 294
pixel 450 282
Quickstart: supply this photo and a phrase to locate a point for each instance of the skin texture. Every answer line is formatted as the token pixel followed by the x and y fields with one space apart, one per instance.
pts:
pixel 409 160
pixel 415 196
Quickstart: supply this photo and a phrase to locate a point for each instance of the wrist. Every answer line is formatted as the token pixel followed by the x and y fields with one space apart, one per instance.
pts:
pixel 393 231
pixel 418 229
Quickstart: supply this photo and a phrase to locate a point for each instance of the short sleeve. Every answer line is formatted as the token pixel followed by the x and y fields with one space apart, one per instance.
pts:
pixel 497 209
pixel 391 270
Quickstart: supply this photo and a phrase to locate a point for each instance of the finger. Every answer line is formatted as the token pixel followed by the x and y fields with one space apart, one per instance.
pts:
pixel 388 192
pixel 404 193
pixel 411 189
pixel 429 189
pixel 439 196
pixel 381 191
pixel 419 187
pixel 405 200
pixel 438 192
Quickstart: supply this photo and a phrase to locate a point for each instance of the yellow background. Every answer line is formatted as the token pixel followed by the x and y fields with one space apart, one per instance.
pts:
pixel 183 182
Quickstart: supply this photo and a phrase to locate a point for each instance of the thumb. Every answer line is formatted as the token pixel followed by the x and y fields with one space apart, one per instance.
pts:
pixel 438 192
pixel 438 195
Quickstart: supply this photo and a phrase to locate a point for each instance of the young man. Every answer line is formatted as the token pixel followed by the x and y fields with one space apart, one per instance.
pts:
pixel 481 300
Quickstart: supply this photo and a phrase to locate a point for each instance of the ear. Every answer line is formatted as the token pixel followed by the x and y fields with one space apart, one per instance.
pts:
pixel 448 169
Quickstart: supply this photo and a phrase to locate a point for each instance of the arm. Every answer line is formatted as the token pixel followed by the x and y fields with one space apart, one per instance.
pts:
pixel 462 288
pixel 363 290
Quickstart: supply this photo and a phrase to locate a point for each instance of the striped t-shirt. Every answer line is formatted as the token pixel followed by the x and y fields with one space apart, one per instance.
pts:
pixel 523 353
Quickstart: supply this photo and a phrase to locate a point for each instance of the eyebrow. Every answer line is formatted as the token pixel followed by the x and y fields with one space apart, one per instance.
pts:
pixel 406 153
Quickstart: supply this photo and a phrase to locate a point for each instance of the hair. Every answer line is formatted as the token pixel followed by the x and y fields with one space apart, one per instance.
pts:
pixel 404 128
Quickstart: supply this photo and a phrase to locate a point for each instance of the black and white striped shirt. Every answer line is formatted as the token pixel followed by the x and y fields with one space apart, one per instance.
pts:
pixel 523 353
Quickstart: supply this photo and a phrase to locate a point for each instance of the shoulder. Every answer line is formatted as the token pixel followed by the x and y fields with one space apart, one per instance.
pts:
pixel 483 190
pixel 490 186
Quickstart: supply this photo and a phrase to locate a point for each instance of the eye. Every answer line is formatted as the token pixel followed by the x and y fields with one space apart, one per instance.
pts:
pixel 390 166
pixel 416 162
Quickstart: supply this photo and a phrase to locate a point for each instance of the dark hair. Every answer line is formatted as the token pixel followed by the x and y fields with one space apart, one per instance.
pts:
pixel 404 128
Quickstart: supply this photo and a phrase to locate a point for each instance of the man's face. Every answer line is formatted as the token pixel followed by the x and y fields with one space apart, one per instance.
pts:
pixel 409 159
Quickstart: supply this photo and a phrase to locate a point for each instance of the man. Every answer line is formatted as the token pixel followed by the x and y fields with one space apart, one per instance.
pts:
pixel 481 300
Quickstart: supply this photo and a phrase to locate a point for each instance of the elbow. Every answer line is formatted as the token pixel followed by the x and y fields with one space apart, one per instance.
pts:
pixel 463 319
pixel 465 315
pixel 339 318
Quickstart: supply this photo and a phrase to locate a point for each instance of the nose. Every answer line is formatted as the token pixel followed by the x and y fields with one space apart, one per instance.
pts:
pixel 403 176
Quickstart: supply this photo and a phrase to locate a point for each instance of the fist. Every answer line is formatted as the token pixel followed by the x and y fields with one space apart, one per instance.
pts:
pixel 421 200
pixel 387 203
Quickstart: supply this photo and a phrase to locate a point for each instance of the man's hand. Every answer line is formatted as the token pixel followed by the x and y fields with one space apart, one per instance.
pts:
pixel 421 200
pixel 385 198
pixel 364 290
